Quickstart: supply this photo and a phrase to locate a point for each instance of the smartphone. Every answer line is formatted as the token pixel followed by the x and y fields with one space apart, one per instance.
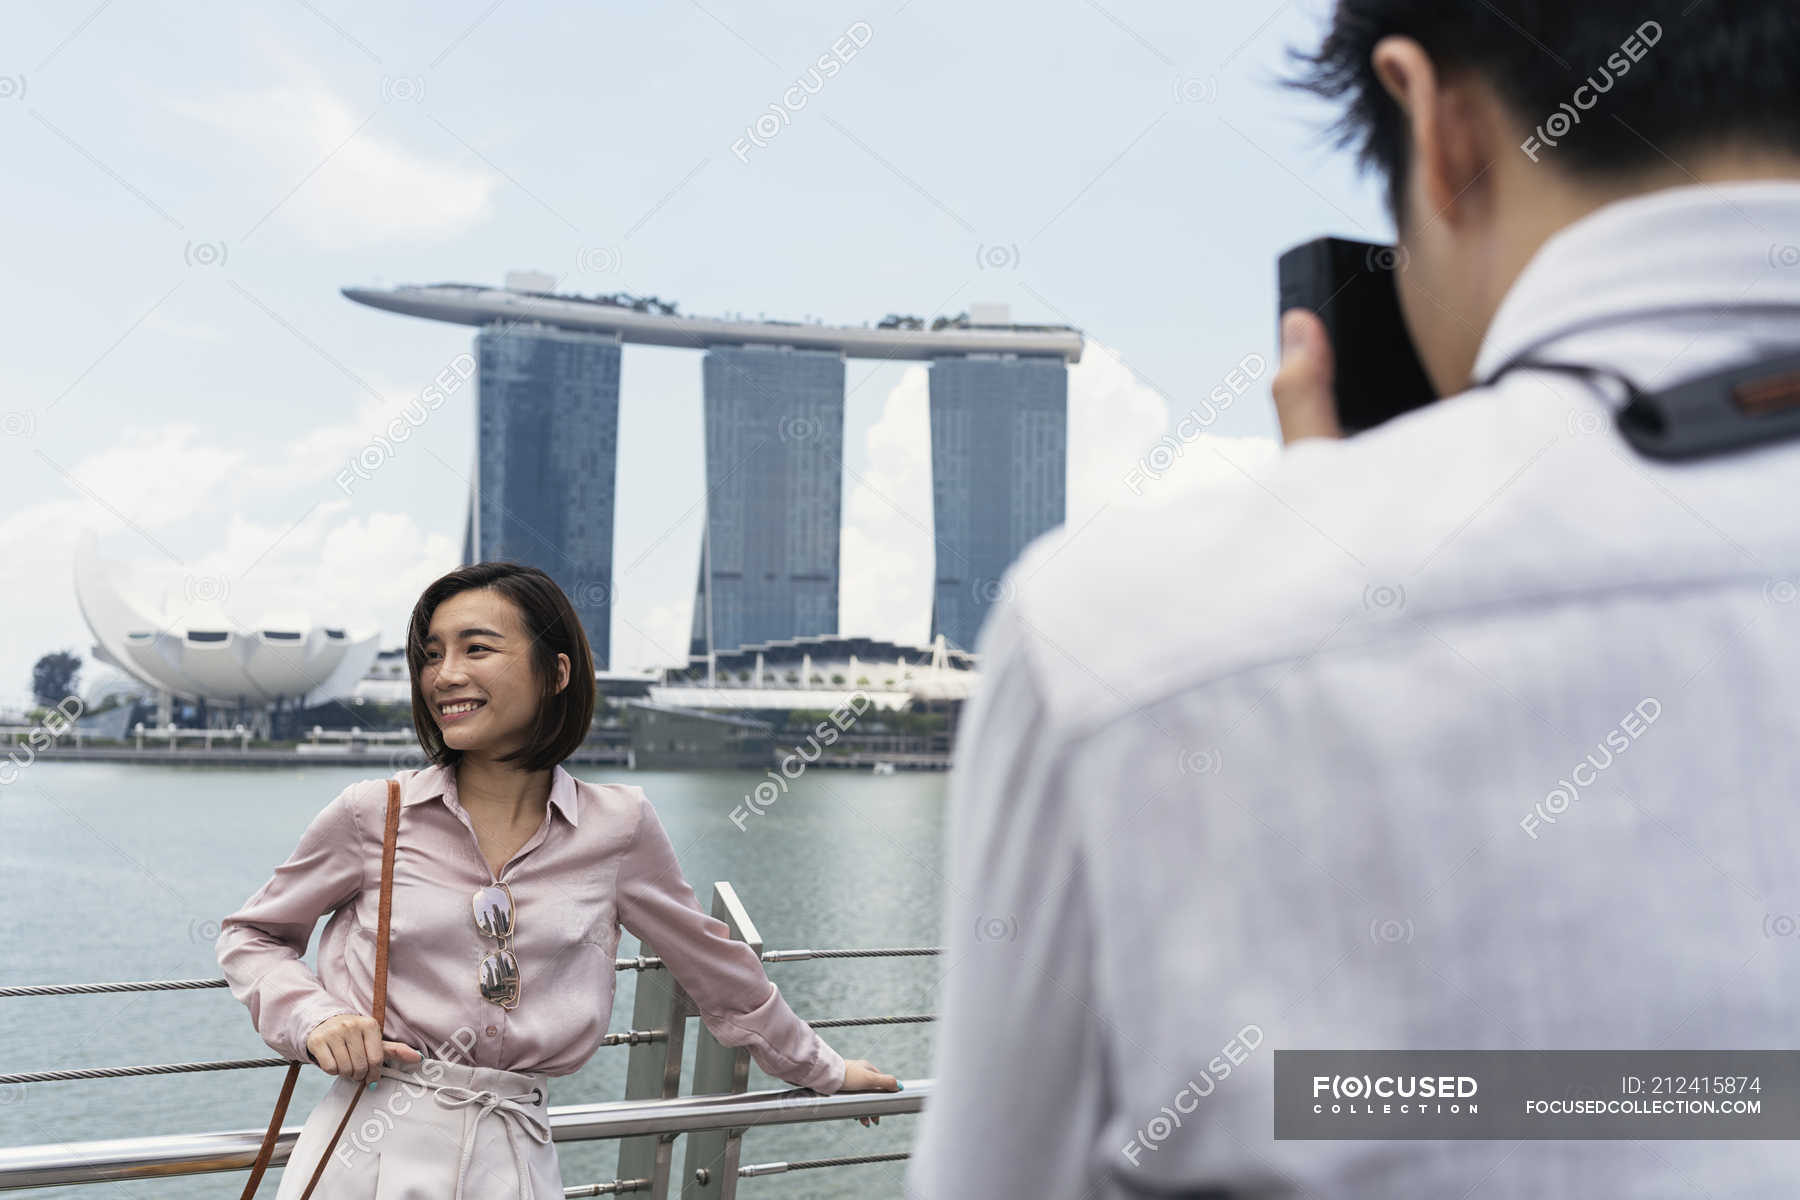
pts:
pixel 1350 285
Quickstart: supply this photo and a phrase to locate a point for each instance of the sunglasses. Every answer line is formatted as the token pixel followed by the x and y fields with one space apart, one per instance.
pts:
pixel 493 907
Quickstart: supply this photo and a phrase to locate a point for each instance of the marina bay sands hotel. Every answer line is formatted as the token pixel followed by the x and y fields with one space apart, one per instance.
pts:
pixel 547 444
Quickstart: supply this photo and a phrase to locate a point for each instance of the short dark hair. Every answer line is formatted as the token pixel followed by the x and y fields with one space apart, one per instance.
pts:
pixel 1721 71
pixel 563 718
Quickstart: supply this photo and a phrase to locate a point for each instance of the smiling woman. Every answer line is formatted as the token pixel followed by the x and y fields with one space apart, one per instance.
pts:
pixel 510 874
pixel 492 666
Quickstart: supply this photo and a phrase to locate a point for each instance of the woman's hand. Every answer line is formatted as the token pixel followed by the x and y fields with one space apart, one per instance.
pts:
pixel 348 1044
pixel 860 1075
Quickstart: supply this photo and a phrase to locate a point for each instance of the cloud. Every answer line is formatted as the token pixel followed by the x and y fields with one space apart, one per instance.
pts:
pixel 151 478
pixel 163 491
pixel 886 549
pixel 1115 419
pixel 381 428
pixel 653 635
pixel 373 567
pixel 354 185
pixel 138 490
pixel 1118 422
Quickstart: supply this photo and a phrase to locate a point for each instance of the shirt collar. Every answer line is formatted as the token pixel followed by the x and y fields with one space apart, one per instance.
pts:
pixel 1705 246
pixel 438 780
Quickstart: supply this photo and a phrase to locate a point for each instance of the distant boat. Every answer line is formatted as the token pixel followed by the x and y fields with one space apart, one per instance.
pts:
pixel 884 768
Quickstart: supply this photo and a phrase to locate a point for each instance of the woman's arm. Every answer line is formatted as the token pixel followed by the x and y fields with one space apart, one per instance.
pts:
pixel 260 946
pixel 723 976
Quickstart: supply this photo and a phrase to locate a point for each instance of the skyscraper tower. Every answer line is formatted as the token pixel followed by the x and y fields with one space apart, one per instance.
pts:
pixel 999 459
pixel 547 450
pixel 774 495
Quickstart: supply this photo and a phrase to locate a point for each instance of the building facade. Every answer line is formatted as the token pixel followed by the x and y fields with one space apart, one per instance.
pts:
pixel 547 422
pixel 774 495
pixel 999 472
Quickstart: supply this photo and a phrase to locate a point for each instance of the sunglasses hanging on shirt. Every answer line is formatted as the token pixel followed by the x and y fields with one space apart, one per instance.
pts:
pixel 499 971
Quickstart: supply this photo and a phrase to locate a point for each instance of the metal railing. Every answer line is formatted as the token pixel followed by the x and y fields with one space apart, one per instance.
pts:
pixel 174 734
pixel 117 1159
pixel 646 1122
pixel 357 739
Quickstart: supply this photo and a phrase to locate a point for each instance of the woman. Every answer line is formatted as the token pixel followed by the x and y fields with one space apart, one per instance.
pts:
pixel 511 881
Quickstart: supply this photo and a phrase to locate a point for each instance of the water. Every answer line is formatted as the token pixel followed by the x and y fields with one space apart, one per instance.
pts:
pixel 122 871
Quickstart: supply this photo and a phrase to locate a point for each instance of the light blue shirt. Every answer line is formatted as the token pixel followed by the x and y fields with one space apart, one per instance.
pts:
pixel 1477 731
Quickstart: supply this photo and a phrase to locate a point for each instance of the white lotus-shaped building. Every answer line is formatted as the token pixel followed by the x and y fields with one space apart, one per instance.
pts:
pixel 196 650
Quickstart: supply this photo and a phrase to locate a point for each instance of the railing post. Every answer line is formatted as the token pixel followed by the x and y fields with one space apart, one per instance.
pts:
pixel 653 1071
pixel 719 1070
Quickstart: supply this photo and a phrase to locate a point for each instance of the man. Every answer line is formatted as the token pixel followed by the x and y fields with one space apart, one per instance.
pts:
pixel 1474 731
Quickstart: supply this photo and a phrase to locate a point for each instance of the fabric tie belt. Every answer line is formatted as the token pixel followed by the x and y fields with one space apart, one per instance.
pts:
pixel 522 1112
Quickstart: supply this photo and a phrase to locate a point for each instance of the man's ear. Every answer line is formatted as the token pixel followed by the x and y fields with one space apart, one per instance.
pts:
pixel 1449 134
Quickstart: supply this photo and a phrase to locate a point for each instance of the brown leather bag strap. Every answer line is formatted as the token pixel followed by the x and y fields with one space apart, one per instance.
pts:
pixel 268 1142
pixel 390 835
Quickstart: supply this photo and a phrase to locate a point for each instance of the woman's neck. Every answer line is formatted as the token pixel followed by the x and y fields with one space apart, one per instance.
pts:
pixel 499 791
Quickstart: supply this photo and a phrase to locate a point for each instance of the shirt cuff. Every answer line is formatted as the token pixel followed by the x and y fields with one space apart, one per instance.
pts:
pixel 310 1017
pixel 828 1076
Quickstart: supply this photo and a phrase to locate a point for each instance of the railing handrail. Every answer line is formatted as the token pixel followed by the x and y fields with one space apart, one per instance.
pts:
pixel 116 1159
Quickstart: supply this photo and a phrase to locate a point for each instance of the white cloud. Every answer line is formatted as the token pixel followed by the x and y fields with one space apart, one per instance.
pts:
pixel 1115 419
pixel 316 455
pixel 138 492
pixel 357 185
pixel 649 635
pixel 886 549
pixel 1115 423
pixel 372 568
pixel 167 486
pixel 153 477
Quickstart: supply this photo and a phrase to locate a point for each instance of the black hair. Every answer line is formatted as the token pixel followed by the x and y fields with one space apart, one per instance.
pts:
pixel 1703 72
pixel 549 621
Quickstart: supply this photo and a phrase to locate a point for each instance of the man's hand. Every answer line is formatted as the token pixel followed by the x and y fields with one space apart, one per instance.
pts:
pixel 1305 403
pixel 860 1075
pixel 352 1045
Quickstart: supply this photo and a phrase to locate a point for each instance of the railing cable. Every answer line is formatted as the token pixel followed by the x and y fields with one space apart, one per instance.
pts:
pixel 636 963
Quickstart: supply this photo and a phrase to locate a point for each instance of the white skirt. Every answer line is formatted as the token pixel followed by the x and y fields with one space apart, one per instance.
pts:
pixel 430 1132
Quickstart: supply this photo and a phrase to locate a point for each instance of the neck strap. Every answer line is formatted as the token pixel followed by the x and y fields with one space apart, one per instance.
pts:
pixel 1750 404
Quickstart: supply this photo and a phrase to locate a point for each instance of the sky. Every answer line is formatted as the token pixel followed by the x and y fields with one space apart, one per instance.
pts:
pixel 189 185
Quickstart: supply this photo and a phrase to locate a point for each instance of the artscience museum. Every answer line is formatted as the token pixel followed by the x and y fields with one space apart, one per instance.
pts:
pixel 240 665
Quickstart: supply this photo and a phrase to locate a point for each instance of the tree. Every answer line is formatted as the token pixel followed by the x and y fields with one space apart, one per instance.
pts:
pixel 53 679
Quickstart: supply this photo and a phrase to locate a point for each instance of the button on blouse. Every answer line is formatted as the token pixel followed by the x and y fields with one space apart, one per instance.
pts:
pixel 600 862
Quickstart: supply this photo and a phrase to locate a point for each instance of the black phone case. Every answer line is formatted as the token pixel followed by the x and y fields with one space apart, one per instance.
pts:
pixel 1350 285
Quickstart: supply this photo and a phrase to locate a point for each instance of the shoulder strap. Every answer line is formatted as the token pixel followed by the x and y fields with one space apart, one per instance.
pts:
pixel 390 835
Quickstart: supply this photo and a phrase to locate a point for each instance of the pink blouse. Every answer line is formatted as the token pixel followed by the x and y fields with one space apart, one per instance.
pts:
pixel 600 860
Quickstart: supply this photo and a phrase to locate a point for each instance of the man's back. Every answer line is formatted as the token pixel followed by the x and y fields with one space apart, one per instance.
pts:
pixel 1474 732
